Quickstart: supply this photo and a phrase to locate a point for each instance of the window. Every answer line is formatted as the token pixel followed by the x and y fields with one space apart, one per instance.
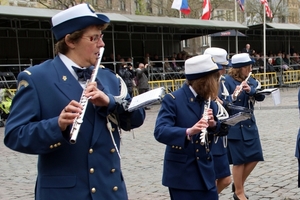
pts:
pixel 149 6
pixel 160 8
pixel 138 6
pixel 185 43
pixel 122 5
pixel 109 4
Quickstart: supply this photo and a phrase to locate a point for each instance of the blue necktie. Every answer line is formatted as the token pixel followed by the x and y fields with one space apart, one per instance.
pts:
pixel 83 73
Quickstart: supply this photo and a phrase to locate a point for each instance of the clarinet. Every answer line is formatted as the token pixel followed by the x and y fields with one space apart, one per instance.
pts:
pixel 84 102
pixel 205 116
pixel 241 88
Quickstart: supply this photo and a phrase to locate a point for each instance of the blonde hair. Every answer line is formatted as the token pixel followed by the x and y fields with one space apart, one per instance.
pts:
pixel 236 73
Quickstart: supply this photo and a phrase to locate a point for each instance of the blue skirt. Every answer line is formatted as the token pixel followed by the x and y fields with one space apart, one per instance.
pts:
pixel 221 166
pixel 178 194
pixel 242 152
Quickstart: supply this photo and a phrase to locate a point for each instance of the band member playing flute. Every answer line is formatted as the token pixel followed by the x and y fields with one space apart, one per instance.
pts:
pixel 188 166
pixel 244 147
pixel 219 148
pixel 47 102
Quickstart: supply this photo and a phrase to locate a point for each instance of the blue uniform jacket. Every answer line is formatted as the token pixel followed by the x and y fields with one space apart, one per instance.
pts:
pixel 89 169
pixel 245 130
pixel 187 165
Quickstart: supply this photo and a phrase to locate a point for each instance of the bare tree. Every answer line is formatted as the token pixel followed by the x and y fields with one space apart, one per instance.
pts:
pixel 254 10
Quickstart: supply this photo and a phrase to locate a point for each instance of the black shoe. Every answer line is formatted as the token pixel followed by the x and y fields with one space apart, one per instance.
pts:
pixel 233 190
pixel 235 197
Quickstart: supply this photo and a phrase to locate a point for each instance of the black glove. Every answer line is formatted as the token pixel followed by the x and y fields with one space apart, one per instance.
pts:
pixel 223 130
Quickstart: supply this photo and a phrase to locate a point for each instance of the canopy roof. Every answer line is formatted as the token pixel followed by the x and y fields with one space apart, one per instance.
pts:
pixel 40 13
pixel 228 33
pixel 277 26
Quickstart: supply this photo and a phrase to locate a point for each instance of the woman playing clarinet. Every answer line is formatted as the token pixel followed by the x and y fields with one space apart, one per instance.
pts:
pixel 184 122
pixel 244 147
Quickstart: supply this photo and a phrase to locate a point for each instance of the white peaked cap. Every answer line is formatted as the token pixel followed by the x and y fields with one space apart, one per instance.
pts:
pixel 76 18
pixel 199 66
pixel 219 55
pixel 241 60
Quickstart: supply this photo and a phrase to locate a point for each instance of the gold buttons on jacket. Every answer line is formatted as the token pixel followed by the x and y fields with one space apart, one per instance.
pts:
pixel 92 170
pixel 112 150
pixel 93 190
pixel 197 141
pixel 55 145
pixel 91 151
pixel 115 188
pixel 112 170
pixel 197 150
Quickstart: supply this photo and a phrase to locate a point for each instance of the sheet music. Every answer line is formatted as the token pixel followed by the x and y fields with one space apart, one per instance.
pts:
pixel 276 97
pixel 146 98
pixel 267 91
pixel 236 118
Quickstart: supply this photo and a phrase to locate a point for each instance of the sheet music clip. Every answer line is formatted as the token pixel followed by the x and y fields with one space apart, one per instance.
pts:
pixel 236 118
pixel 239 108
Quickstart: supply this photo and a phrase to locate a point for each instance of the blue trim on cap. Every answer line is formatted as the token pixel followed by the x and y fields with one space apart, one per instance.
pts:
pixel 191 77
pixel 76 24
pixel 238 65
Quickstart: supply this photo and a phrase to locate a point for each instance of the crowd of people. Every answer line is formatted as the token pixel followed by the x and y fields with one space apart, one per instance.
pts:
pixel 137 74
pixel 279 62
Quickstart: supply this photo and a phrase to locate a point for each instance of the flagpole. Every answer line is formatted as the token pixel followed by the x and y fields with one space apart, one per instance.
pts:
pixel 264 40
pixel 181 42
pixel 235 11
pixel 236 37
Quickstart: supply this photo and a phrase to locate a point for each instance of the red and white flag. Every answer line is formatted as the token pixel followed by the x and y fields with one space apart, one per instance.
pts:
pixel 206 10
pixel 268 9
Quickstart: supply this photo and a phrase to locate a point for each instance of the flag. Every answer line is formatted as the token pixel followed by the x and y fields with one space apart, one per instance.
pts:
pixel 206 10
pixel 268 9
pixel 181 5
pixel 241 4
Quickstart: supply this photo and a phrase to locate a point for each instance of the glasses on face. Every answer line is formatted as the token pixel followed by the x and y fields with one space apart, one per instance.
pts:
pixel 95 38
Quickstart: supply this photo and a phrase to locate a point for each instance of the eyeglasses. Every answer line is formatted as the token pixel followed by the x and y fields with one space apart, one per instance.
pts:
pixel 95 38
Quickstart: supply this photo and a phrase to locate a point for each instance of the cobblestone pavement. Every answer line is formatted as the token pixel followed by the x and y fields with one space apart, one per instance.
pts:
pixel 142 158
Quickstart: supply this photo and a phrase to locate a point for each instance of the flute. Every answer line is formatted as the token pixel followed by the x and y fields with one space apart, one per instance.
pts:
pixel 237 92
pixel 205 116
pixel 84 102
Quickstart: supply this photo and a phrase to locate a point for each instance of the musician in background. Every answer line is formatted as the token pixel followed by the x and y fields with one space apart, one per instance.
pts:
pixel 244 135
pixel 219 149
pixel 47 102
pixel 188 166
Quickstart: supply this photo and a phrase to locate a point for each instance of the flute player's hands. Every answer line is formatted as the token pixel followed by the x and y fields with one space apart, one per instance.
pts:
pixel 96 96
pixel 68 114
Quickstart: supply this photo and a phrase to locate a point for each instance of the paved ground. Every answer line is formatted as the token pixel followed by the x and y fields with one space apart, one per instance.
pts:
pixel 142 158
